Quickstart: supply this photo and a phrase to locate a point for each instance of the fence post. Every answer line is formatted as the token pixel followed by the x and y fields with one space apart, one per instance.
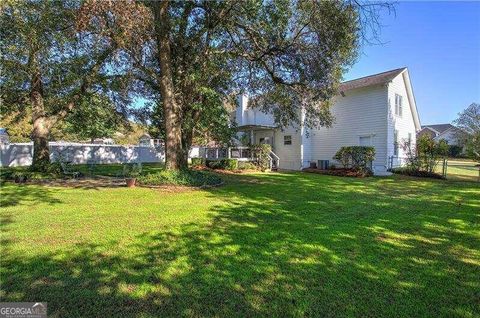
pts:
pixel 444 170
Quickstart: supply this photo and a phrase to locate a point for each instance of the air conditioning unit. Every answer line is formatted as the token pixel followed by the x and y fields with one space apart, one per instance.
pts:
pixel 323 164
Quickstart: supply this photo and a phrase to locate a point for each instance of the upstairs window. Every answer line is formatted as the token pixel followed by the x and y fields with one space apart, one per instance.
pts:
pixel 287 140
pixel 398 105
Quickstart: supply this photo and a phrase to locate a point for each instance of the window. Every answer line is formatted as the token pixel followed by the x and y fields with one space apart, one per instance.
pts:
pixel 262 140
pixel 395 143
pixel 409 138
pixel 398 105
pixel 287 140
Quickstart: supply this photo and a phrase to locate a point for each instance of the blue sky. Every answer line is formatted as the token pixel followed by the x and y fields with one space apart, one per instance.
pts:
pixel 439 42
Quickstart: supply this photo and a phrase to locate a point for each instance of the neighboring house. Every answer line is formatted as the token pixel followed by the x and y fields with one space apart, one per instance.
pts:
pixel 377 110
pixel 438 132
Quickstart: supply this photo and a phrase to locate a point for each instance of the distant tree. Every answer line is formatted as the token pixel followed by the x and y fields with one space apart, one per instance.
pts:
pixel 47 66
pixel 19 128
pixel 468 123
pixel 190 55
pixel 94 117
pixel 130 134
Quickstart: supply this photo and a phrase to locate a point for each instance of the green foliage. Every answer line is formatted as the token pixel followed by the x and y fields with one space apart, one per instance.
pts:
pixel 412 171
pixel 198 162
pixel 468 133
pixel 356 157
pixel 94 117
pixel 429 153
pixel 180 177
pixel 262 155
pixel 246 165
pixel 132 170
pixel 225 164
pixel 455 151
pixel 473 146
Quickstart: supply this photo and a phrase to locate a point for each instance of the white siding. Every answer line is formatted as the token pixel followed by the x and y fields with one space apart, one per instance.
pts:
pixel 449 136
pixel 290 155
pixel 360 113
pixel 404 124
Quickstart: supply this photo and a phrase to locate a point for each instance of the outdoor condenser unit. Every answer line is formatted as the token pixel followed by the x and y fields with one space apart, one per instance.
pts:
pixel 323 164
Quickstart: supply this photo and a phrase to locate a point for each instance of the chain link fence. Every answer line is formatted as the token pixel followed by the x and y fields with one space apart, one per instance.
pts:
pixel 451 168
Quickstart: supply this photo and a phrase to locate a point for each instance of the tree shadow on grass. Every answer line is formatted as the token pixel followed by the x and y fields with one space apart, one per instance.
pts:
pixel 13 195
pixel 280 245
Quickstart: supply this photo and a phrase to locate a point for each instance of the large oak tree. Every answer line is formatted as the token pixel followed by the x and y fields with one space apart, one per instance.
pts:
pixel 288 55
pixel 48 67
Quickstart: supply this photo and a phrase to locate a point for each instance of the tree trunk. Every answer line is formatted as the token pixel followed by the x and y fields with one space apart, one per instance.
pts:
pixel 174 158
pixel 41 127
pixel 41 152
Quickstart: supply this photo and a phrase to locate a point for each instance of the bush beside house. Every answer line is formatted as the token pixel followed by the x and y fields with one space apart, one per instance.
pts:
pixel 423 157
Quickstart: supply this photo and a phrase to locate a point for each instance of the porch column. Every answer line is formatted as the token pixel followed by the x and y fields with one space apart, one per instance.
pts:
pixel 252 140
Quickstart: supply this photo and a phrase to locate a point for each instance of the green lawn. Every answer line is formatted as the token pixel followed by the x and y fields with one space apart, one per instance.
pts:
pixel 462 169
pixel 276 244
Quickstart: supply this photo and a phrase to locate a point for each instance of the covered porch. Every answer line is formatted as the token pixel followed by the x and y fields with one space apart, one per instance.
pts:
pixel 259 134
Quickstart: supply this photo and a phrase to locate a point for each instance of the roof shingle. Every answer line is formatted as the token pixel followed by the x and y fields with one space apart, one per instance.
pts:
pixel 439 127
pixel 376 79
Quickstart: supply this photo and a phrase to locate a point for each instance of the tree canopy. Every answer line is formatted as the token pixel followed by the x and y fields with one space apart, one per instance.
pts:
pixel 48 67
pixel 468 123
pixel 189 55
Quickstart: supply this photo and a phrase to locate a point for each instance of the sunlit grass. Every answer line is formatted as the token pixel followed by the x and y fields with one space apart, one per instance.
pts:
pixel 262 245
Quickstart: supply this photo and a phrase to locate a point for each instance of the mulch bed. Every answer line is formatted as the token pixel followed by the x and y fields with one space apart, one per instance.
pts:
pixel 341 172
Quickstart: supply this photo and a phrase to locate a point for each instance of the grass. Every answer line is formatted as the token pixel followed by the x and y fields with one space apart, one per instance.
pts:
pixel 462 169
pixel 280 244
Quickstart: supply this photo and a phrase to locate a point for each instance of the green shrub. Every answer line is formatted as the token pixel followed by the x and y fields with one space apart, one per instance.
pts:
pixel 246 165
pixel 180 177
pixel 454 151
pixel 409 171
pixel 262 154
pixel 132 170
pixel 225 164
pixel 426 154
pixel 231 164
pixel 198 162
pixel 356 157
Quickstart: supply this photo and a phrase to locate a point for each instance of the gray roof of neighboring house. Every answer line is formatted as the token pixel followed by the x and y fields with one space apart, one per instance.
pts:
pixel 376 79
pixel 440 128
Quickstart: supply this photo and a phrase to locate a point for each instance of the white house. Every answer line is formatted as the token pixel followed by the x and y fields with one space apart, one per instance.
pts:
pixel 377 110
pixel 438 132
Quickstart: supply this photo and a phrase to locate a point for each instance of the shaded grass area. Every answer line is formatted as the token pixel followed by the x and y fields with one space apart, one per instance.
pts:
pixel 109 170
pixel 115 170
pixel 275 244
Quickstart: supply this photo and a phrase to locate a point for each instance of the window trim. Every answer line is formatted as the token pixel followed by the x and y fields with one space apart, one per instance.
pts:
pixel 398 105
pixel 287 142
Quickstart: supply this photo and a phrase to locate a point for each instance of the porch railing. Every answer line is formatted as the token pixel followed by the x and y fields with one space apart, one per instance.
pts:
pixel 240 153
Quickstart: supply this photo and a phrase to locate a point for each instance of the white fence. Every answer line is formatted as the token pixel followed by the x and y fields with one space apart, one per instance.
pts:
pixel 20 154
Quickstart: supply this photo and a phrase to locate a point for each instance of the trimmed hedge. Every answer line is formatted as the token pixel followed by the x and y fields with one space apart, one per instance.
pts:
pixel 180 177
pixel 356 157
pixel 225 164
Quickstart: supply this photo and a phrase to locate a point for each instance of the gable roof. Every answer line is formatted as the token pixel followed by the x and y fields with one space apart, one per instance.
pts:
pixel 376 79
pixel 439 128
